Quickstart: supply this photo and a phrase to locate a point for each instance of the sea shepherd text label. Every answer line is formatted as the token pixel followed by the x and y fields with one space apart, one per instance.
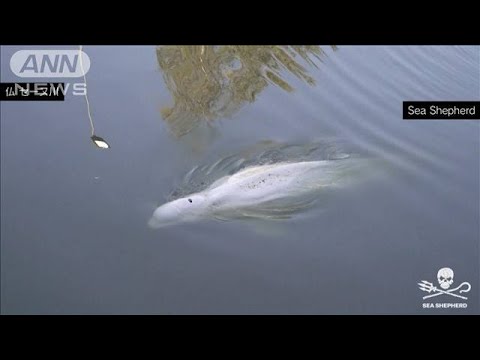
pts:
pixel 441 110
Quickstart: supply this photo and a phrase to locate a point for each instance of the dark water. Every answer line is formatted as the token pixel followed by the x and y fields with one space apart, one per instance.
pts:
pixel 74 235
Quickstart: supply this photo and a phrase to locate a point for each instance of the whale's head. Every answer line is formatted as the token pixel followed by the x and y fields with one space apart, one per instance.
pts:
pixel 186 209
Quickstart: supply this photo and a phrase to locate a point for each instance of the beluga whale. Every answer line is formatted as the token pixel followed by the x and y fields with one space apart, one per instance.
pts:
pixel 278 183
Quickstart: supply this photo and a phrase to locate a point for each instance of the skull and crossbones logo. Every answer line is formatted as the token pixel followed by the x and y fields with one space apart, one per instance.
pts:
pixel 445 280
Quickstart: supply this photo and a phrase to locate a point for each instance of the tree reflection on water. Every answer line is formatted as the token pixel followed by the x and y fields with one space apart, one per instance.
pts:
pixel 212 82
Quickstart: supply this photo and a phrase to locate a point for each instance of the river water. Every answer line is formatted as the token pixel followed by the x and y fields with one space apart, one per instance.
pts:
pixel 74 234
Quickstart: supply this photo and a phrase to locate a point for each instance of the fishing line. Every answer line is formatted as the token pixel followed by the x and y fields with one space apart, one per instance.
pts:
pixel 97 140
pixel 92 127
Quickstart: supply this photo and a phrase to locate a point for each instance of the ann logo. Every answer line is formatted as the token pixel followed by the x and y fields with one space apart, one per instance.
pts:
pixel 50 63
pixel 45 63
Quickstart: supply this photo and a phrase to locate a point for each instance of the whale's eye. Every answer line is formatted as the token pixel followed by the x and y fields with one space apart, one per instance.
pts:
pixel 190 200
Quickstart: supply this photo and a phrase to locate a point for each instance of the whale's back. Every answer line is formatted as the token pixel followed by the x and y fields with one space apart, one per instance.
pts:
pixel 270 189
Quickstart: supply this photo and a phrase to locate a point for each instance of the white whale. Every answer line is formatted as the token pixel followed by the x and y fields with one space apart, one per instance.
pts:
pixel 267 191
